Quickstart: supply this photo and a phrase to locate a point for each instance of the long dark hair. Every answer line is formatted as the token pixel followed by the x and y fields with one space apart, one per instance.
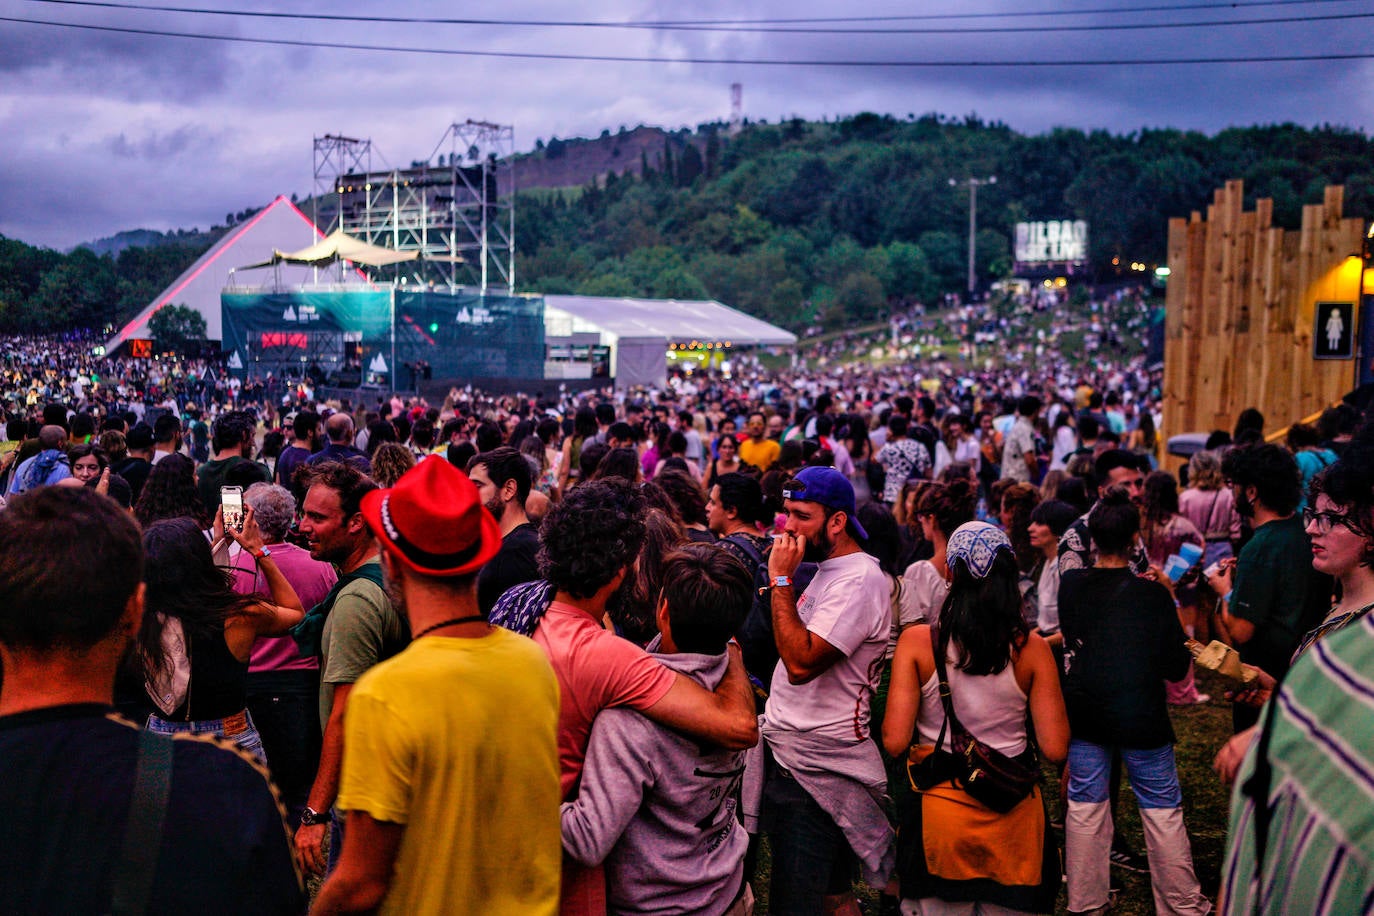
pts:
pixel 183 582
pixel 983 616
pixel 170 492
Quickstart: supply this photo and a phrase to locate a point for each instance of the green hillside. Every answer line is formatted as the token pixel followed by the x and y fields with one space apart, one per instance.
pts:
pixel 803 221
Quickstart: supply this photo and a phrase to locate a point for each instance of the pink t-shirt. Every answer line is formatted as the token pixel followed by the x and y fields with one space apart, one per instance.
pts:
pixel 596 670
pixel 312 579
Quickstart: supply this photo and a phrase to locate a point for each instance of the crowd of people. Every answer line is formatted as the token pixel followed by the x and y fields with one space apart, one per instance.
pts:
pixel 581 654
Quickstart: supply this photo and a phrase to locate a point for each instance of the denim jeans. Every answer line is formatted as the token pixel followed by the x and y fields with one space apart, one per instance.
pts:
pixel 248 739
pixel 811 857
pixel 1088 829
pixel 1152 774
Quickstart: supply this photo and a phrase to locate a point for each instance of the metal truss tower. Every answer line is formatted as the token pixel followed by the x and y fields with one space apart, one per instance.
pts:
pixel 457 207
pixel 482 203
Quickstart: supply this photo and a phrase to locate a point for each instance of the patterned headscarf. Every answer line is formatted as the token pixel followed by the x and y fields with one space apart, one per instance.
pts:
pixel 977 543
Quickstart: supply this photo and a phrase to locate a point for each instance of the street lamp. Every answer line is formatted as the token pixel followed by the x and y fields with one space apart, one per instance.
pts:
pixel 973 184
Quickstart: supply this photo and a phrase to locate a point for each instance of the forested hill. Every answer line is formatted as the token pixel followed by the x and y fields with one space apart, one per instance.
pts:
pixel 833 220
pixel 802 221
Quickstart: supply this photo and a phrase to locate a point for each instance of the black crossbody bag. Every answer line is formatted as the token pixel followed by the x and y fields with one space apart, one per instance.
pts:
pixel 990 777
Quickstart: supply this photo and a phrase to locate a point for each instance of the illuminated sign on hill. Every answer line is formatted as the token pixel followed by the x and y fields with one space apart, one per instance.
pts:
pixel 1052 242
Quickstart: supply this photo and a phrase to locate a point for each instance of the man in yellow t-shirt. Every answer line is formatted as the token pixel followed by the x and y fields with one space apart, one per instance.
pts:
pixel 450 769
pixel 758 450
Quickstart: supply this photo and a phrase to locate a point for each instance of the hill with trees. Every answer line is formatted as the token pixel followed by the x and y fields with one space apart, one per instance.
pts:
pixel 799 222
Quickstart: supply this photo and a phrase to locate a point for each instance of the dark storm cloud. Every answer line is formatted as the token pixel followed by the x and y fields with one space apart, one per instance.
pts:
pixel 133 66
pixel 117 131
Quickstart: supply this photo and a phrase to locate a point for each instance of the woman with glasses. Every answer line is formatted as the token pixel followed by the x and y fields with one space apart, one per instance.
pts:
pixel 1340 522
pixel 1300 831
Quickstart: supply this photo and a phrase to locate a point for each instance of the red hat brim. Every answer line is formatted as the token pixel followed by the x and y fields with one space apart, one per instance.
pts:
pixel 489 543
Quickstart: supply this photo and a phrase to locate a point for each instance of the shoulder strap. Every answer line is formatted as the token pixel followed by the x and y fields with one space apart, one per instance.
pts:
pixel 1257 787
pixel 940 643
pixel 133 883
pixel 744 543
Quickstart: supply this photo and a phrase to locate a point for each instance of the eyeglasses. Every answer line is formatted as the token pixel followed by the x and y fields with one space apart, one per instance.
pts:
pixel 1323 521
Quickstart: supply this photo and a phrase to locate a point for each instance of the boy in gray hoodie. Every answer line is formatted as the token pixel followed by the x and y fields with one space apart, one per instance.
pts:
pixel 655 806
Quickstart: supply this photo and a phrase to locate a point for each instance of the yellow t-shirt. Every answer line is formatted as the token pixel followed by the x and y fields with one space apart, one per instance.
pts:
pixel 760 454
pixel 456 739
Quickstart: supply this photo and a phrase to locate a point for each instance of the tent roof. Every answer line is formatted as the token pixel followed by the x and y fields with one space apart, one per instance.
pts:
pixel 674 320
pixel 339 246
pixel 280 224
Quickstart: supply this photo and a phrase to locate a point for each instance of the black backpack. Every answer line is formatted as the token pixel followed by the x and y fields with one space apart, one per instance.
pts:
pixel 755 635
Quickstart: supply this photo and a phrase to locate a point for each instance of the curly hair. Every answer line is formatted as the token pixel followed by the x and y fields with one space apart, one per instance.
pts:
pixel 274 508
pixel 171 492
pixel 389 462
pixel 590 536
pixel 949 505
pixel 1271 470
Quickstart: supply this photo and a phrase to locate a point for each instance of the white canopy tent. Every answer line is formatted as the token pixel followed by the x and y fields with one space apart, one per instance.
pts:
pixel 640 331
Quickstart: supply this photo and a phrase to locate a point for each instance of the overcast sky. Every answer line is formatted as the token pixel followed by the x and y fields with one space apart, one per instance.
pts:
pixel 103 131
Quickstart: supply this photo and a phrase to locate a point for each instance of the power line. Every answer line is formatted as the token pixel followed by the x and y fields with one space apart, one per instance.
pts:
pixel 737 62
pixel 797 26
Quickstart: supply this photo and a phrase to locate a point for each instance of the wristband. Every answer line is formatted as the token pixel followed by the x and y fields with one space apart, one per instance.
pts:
pixel 782 581
pixel 260 553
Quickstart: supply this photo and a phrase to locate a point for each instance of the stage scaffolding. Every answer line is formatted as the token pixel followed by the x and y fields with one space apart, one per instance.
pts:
pixel 458 207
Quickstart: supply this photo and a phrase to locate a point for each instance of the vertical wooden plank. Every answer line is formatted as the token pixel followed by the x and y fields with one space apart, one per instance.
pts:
pixel 1177 355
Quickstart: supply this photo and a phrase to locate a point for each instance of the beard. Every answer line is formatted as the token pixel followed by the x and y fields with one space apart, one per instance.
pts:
pixel 1243 504
pixel 395 595
pixel 819 550
pixel 496 506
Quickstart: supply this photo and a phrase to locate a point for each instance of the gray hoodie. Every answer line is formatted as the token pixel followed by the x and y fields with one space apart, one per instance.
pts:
pixel 660 810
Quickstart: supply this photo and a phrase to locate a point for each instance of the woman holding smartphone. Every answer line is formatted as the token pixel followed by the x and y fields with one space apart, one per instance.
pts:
pixel 197 632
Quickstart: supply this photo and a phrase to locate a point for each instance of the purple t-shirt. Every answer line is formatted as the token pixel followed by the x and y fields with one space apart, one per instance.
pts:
pixel 312 579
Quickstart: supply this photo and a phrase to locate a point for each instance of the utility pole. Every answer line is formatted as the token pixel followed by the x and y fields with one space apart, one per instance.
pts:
pixel 973 184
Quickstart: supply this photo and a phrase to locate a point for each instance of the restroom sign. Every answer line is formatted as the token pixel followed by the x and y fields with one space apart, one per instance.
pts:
pixel 1334 334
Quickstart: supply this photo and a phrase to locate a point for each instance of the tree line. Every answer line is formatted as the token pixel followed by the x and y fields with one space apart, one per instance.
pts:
pixel 836 221
pixel 803 221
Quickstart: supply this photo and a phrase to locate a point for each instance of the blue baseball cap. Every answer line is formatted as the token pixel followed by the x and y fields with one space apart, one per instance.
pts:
pixel 831 489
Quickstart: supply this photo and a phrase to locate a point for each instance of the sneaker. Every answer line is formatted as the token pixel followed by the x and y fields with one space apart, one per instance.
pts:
pixel 1123 857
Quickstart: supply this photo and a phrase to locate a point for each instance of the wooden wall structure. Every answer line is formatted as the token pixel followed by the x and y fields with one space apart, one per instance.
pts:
pixel 1239 312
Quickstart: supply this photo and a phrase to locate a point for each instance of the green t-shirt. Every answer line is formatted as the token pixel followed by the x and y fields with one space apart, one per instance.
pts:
pixel 1278 591
pixel 362 629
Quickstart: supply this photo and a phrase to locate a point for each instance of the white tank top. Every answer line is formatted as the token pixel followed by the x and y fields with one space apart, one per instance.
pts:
pixel 992 707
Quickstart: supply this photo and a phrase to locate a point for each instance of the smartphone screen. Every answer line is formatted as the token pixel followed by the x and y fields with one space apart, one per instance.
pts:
pixel 232 500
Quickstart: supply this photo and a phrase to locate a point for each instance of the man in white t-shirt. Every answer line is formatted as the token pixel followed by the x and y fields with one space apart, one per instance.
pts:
pixel 824 771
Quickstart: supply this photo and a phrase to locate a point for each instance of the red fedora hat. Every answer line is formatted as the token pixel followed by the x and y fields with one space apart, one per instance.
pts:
pixel 434 521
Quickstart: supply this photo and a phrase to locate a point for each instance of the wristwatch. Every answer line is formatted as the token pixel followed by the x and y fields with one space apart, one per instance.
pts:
pixel 260 553
pixel 310 817
pixel 782 581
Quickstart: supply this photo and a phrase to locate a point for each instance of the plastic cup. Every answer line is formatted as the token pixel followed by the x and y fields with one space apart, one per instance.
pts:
pixel 1190 553
pixel 1175 567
